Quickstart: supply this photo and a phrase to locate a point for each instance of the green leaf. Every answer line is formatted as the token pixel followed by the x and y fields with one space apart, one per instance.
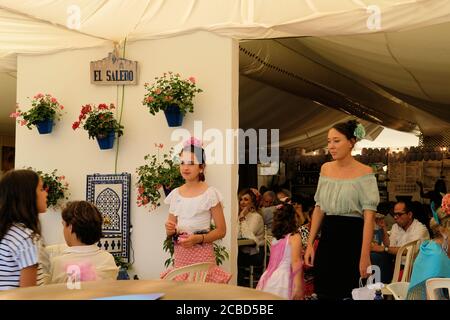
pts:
pixel 169 90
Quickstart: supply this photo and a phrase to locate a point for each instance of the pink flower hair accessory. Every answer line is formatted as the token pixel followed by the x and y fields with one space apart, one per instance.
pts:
pixel 445 206
pixel 193 142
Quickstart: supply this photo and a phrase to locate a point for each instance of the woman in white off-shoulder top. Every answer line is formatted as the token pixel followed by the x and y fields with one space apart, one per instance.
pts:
pixel 346 200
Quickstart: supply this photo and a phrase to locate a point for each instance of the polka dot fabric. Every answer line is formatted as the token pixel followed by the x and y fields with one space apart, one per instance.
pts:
pixel 196 254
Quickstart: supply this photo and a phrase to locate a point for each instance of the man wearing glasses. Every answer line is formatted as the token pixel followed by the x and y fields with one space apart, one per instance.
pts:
pixel 405 230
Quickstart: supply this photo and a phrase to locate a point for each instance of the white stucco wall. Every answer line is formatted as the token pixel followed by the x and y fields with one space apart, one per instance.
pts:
pixel 211 59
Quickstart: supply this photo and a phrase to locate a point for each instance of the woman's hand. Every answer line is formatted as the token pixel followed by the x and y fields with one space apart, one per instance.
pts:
pixel 364 263
pixel 243 213
pixel 190 241
pixel 171 228
pixel 309 255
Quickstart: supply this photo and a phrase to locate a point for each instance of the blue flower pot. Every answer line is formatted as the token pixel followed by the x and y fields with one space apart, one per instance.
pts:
pixel 45 126
pixel 123 274
pixel 174 116
pixel 106 142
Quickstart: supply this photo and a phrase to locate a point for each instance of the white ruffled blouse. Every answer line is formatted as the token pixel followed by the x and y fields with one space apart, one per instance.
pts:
pixel 193 213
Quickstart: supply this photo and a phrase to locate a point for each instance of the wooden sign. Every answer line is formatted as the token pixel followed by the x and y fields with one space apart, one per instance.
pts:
pixel 113 71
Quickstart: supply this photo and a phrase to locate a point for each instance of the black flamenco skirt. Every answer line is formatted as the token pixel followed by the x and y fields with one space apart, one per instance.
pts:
pixel 336 262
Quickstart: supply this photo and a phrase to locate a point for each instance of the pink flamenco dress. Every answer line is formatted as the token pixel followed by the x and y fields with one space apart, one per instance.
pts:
pixel 194 216
pixel 279 276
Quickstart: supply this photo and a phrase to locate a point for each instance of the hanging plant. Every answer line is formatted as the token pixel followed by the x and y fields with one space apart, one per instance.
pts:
pixel 173 95
pixel 44 110
pixel 56 186
pixel 160 171
pixel 100 123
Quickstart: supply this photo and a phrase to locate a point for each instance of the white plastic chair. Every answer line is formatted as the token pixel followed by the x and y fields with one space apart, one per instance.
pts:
pixel 411 251
pixel 267 243
pixel 398 289
pixel 197 272
pixel 434 284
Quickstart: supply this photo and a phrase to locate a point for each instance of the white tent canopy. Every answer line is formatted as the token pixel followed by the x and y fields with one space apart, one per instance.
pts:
pixel 385 61
pixel 353 81
pixel 41 26
pixel 302 123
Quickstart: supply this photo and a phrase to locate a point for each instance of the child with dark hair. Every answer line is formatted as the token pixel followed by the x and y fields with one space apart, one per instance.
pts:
pixel 83 260
pixel 22 198
pixel 192 206
pixel 284 275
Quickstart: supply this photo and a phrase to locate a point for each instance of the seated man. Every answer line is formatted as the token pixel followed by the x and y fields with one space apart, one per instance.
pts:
pixel 405 230
pixel 82 260
pixel 268 199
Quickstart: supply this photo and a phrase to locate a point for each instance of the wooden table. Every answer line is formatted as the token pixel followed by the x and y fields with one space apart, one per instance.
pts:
pixel 172 290
pixel 246 242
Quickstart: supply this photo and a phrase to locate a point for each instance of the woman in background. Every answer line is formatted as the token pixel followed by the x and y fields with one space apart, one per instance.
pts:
pixel 433 260
pixel 346 200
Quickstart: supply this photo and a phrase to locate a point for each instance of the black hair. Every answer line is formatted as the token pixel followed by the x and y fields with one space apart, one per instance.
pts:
pixel 199 155
pixel 263 189
pixel 18 201
pixel 440 186
pixel 384 208
pixel 347 128
pixel 420 214
pixel 284 221
pixel 86 221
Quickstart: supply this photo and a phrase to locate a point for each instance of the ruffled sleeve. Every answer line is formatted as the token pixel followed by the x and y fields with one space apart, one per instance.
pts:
pixel 214 197
pixel 317 195
pixel 369 197
pixel 27 254
pixel 174 202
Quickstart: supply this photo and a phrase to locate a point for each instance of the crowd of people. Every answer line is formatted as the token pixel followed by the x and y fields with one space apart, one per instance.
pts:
pixel 319 248
pixel 349 230
pixel 24 261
